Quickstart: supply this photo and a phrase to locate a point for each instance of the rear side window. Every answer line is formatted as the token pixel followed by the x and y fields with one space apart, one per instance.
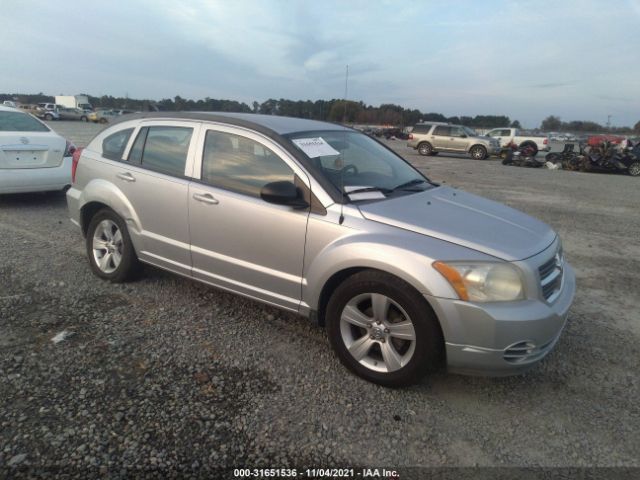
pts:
pixel 240 164
pixel 113 146
pixel 20 122
pixel 421 129
pixel 442 131
pixel 165 149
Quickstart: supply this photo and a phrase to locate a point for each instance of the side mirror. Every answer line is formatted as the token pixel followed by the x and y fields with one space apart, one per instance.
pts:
pixel 283 193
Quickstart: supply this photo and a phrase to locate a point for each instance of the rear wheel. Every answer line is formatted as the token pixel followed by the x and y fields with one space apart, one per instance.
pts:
pixel 84 119
pixel 383 330
pixel 103 120
pixel 425 149
pixel 478 152
pixel 48 117
pixel 109 248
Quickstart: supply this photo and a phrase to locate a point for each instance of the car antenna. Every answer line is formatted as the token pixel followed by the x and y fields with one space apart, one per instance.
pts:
pixel 344 120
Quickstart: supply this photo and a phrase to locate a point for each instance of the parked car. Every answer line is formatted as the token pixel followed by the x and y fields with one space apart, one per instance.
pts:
pixel 324 221
pixel 10 103
pixel 102 116
pixel 72 114
pixel 513 135
pixel 433 138
pixel 32 157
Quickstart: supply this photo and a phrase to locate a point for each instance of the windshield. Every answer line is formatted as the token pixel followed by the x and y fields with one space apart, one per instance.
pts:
pixel 351 161
pixel 20 122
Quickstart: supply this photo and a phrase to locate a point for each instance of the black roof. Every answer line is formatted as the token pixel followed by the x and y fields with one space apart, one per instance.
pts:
pixel 275 124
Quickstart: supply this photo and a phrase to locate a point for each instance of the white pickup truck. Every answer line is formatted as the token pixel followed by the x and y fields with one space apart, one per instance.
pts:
pixel 513 135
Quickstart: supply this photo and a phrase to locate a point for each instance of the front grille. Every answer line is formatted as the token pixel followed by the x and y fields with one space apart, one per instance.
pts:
pixel 524 352
pixel 551 276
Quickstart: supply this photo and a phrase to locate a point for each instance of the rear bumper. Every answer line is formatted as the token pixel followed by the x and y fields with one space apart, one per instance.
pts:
pixel 500 340
pixel 24 180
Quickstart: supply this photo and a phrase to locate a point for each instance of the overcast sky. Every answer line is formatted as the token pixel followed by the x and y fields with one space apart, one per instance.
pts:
pixel 578 59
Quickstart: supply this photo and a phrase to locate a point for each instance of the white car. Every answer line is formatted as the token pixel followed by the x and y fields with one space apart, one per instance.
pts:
pixel 33 158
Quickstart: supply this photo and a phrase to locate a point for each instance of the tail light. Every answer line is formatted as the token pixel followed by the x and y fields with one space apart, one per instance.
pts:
pixel 69 149
pixel 545 141
pixel 74 163
pixel 411 136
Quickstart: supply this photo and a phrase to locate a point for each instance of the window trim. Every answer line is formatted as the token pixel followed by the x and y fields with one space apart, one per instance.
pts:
pixel 298 171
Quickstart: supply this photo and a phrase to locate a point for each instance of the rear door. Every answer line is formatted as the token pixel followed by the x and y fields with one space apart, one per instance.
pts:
pixel 239 241
pixel 27 143
pixel 459 139
pixel 153 175
pixel 441 138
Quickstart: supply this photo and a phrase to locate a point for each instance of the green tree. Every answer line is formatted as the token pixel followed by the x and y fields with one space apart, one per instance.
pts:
pixel 551 123
pixel 515 124
pixel 636 128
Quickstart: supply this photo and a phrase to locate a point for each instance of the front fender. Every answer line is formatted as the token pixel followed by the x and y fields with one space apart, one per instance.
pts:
pixel 406 255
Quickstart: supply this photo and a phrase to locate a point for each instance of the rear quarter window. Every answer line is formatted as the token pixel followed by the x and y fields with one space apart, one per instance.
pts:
pixel 114 145
pixel 421 129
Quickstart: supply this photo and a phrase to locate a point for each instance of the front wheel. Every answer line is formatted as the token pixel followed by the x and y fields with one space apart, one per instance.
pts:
pixel 48 117
pixel 634 169
pixel 103 120
pixel 383 330
pixel 84 119
pixel 109 248
pixel 478 152
pixel 425 149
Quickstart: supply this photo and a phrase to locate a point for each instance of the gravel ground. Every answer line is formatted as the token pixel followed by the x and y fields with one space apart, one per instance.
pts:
pixel 167 375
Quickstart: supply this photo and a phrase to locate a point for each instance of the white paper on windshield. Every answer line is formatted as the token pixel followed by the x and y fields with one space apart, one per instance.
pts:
pixel 315 147
pixel 370 195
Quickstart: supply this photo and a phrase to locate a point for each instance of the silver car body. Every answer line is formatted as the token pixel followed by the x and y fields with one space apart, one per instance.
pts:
pixel 291 258
pixel 456 140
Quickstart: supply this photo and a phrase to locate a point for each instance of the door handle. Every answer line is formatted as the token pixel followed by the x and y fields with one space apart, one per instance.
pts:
pixel 205 198
pixel 126 176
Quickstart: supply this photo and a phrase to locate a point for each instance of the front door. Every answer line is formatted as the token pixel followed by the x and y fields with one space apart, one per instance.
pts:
pixel 239 241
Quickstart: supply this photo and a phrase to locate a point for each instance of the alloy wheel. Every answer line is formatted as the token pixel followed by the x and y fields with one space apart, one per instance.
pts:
pixel 377 332
pixel 107 246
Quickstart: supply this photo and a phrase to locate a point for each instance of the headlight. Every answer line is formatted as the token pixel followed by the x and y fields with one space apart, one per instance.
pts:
pixel 483 282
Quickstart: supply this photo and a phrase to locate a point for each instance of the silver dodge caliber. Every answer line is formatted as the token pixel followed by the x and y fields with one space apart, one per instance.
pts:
pixel 318 219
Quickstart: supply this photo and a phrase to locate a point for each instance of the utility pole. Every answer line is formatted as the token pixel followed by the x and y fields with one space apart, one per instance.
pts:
pixel 608 122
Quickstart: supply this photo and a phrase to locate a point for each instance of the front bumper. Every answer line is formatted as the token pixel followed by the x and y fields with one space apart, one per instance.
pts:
pixel 498 339
pixel 26 180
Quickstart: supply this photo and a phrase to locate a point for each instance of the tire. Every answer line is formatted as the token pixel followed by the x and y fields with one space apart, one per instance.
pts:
pixel 425 149
pixel 108 235
pixel 84 119
pixel 381 356
pixel 48 117
pixel 103 120
pixel 530 144
pixel 634 169
pixel 478 152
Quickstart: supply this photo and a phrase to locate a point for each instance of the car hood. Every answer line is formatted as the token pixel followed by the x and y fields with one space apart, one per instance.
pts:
pixel 465 219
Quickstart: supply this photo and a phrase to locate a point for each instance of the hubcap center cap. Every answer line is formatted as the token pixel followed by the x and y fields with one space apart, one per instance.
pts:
pixel 377 333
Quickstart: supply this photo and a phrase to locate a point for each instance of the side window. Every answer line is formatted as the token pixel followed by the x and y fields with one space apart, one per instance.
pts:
pixel 239 164
pixel 165 149
pixel 442 131
pixel 135 155
pixel 421 128
pixel 457 132
pixel 505 133
pixel 113 146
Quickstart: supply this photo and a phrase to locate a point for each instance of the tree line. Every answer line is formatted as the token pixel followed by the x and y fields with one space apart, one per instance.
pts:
pixel 334 110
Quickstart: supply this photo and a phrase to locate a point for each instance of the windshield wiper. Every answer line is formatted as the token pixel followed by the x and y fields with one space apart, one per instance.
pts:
pixel 402 186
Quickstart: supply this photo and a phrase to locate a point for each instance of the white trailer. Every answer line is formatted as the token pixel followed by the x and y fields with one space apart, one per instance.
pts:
pixel 74 101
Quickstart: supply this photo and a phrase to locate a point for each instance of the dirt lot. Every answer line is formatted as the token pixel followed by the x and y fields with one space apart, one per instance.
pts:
pixel 165 373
